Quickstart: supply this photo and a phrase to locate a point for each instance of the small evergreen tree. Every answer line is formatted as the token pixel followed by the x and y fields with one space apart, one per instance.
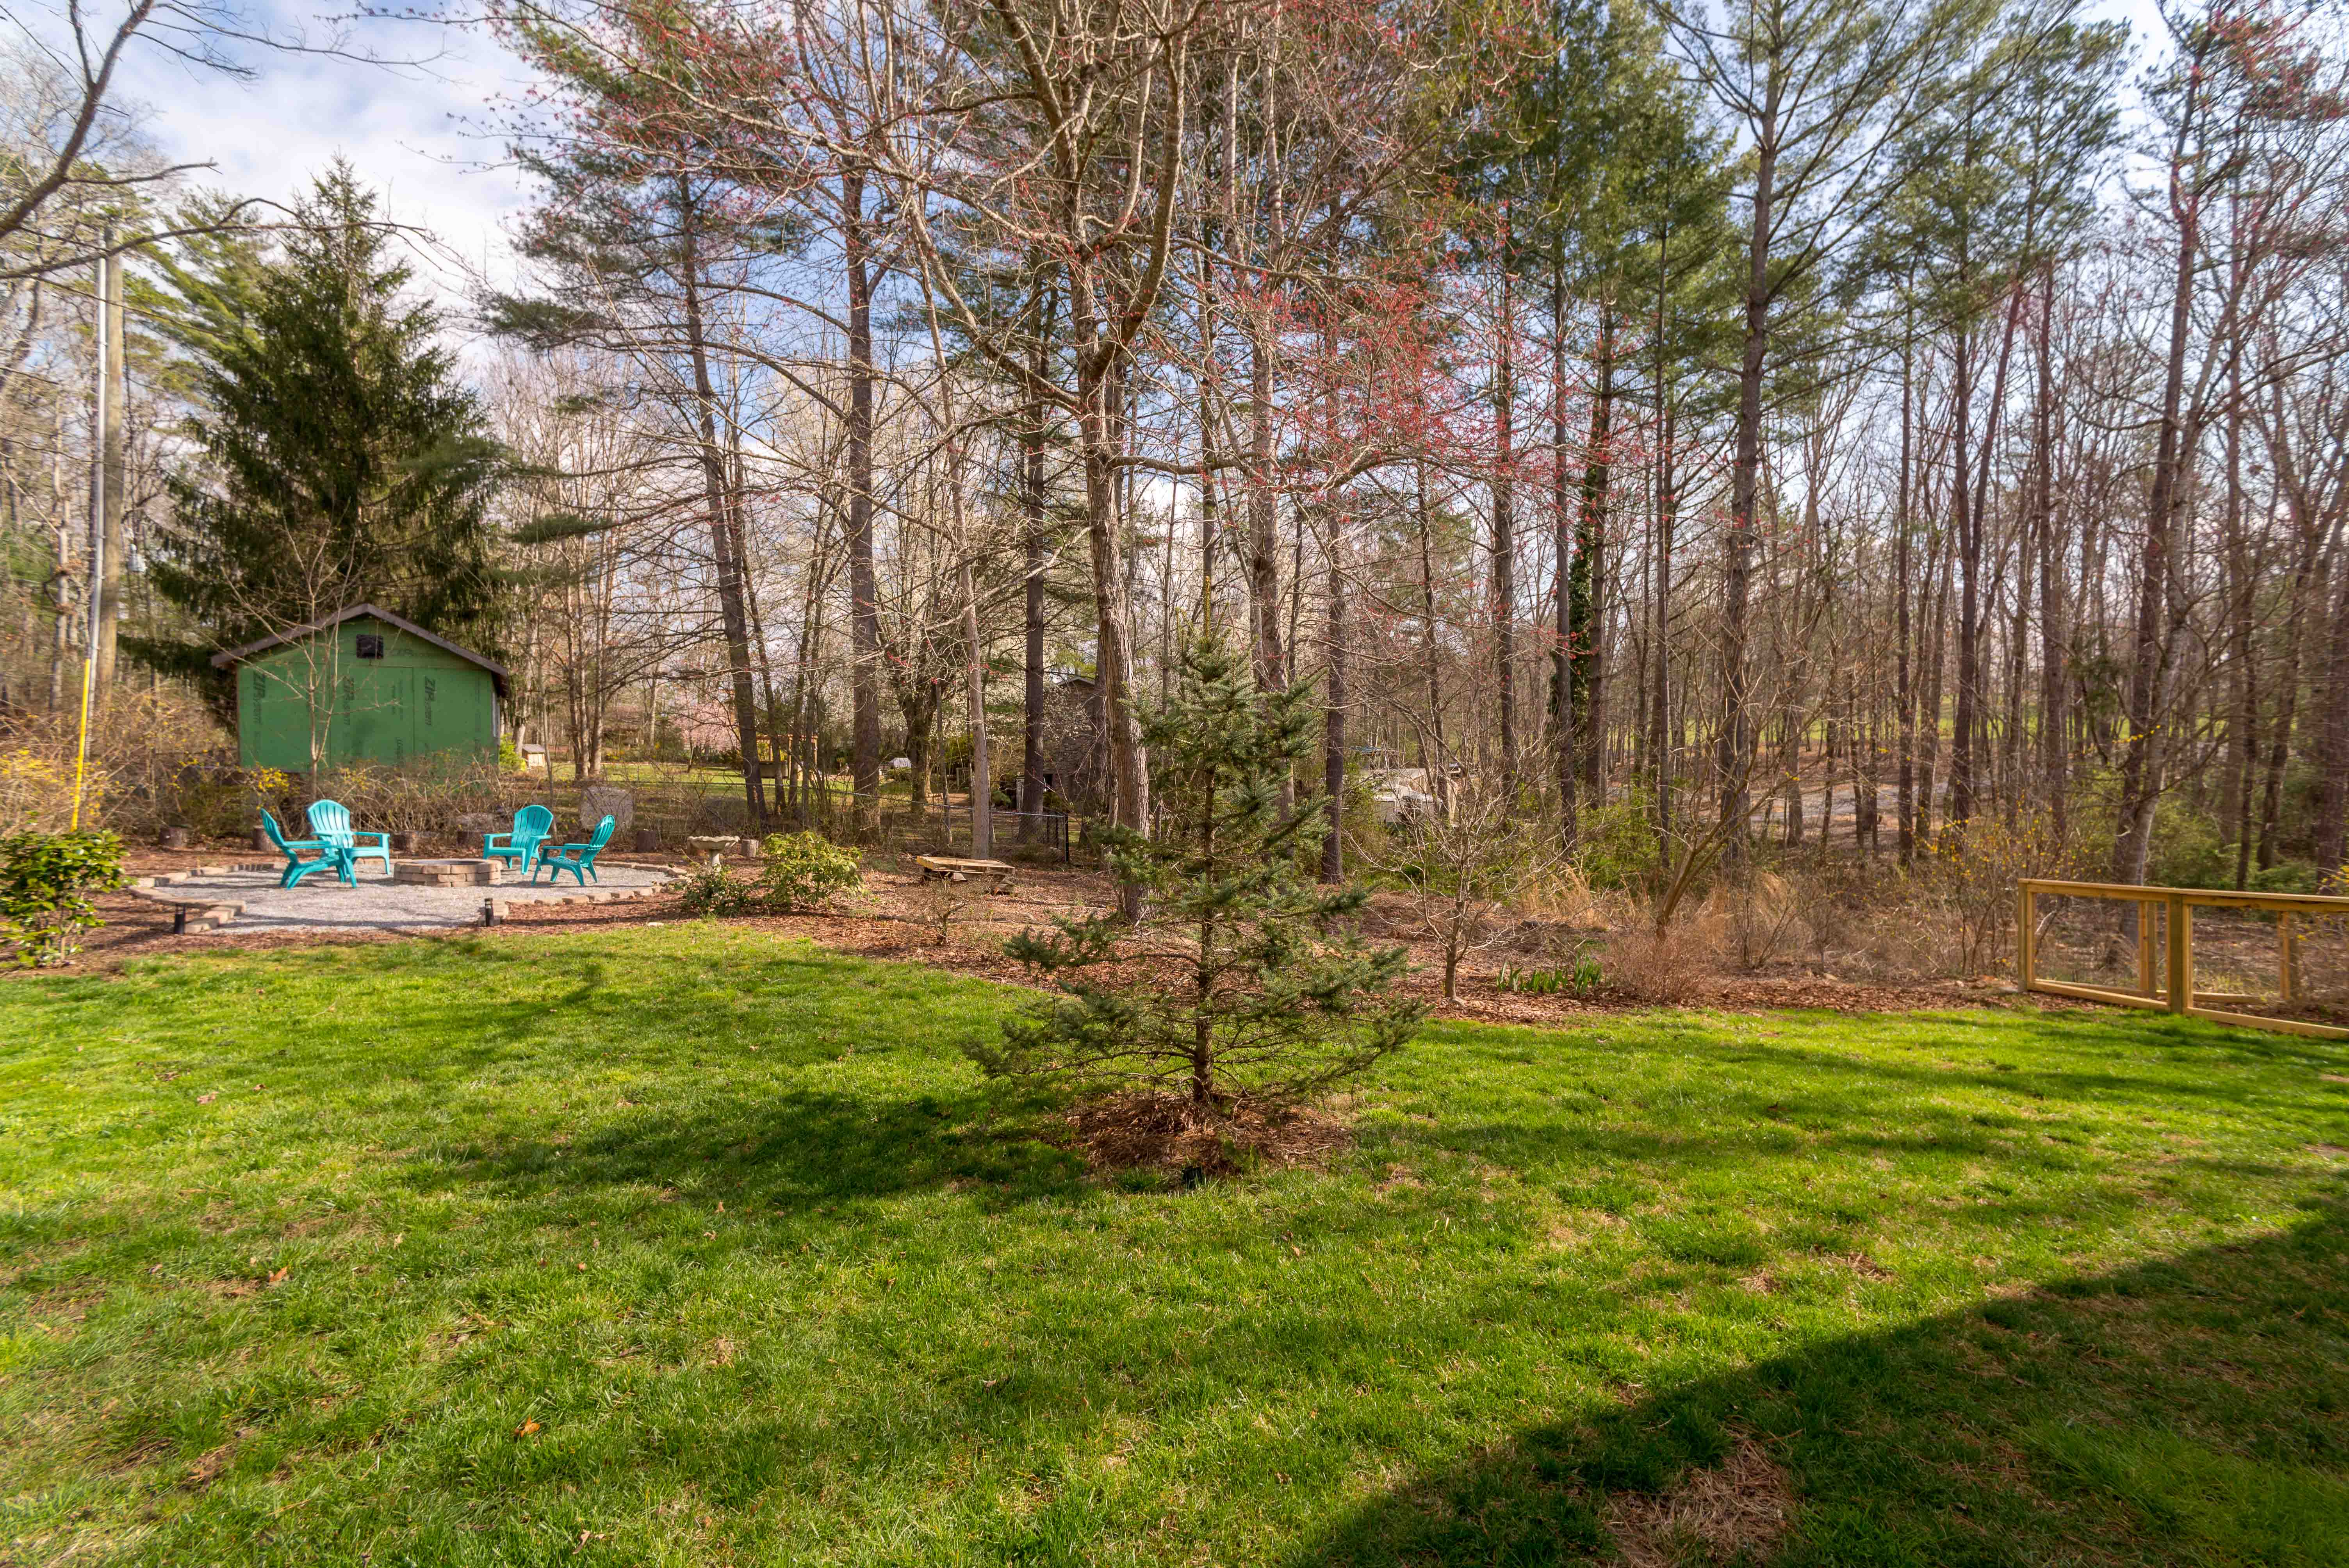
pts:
pixel 337 459
pixel 1268 1003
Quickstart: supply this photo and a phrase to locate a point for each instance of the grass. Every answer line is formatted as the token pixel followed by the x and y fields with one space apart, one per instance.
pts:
pixel 686 1245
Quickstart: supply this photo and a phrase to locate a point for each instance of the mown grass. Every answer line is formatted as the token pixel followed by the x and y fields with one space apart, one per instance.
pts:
pixel 685 1244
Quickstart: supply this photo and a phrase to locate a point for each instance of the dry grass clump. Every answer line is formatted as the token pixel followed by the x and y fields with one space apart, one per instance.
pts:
pixel 1672 967
pixel 1762 917
pixel 1563 896
pixel 1736 1511
pixel 1144 1130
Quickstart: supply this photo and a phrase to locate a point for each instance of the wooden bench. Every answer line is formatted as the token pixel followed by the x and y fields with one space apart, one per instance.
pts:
pixel 949 868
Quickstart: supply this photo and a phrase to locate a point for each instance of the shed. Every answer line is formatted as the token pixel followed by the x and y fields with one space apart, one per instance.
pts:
pixel 374 687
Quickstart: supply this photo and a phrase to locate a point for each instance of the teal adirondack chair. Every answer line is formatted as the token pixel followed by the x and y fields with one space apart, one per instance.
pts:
pixel 519 849
pixel 579 860
pixel 296 868
pixel 331 821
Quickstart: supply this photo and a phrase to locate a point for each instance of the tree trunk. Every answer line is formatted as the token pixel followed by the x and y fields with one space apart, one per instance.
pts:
pixel 1967 531
pixel 2332 751
pixel 1904 696
pixel 1098 427
pixel 1504 544
pixel 730 606
pixel 1264 542
pixel 1333 735
pixel 863 584
pixel 1031 504
pixel 2152 642
pixel 1586 662
pixel 1561 678
pixel 1734 748
pixel 2054 686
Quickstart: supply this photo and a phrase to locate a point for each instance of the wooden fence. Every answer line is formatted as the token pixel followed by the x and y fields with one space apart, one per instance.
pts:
pixel 2148 934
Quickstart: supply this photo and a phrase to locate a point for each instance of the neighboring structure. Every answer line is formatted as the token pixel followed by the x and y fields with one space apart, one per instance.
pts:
pixel 1076 743
pixel 362 685
pixel 1401 794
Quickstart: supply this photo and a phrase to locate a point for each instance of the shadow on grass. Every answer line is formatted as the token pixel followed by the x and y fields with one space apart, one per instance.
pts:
pixel 2090 1058
pixel 2193 1410
pixel 790 1150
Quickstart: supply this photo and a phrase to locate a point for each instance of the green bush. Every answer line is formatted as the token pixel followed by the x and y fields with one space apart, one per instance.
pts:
pixel 1617 843
pixel 805 870
pixel 711 890
pixel 800 871
pixel 2290 876
pixel 46 881
pixel 2189 849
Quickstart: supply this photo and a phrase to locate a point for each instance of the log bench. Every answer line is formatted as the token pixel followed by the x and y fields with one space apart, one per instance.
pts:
pixel 950 867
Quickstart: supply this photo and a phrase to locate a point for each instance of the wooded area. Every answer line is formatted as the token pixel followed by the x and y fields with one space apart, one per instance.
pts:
pixel 1910 434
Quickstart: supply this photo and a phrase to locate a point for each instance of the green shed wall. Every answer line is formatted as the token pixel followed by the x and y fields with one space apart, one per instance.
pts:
pixel 416 700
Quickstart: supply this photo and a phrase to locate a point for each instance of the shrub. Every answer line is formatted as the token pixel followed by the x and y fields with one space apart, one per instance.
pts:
pixel 712 890
pixel 2190 848
pixel 208 795
pixel 1667 967
pixel 2288 876
pixel 46 881
pixel 1763 918
pixel 1618 845
pixel 805 870
pixel 35 789
pixel 1461 868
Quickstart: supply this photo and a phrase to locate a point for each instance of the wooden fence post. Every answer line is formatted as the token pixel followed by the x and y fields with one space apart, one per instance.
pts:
pixel 2024 922
pixel 2287 971
pixel 2181 954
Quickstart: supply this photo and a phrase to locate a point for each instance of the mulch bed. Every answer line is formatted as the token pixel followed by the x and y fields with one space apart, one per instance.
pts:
pixel 900 919
pixel 1167 1132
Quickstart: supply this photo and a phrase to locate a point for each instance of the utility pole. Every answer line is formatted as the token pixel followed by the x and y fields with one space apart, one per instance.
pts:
pixel 102 570
pixel 114 482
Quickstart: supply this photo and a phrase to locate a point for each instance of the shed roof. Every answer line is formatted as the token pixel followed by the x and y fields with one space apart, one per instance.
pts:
pixel 228 656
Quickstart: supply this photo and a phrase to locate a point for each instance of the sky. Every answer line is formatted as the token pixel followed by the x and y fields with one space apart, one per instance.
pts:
pixel 422 132
pixel 419 128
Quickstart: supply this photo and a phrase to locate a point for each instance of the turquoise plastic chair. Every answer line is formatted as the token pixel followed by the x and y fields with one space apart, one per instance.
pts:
pixel 579 860
pixel 296 868
pixel 331 821
pixel 532 825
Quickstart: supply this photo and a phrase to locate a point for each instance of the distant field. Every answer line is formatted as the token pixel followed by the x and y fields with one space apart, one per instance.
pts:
pixel 686 1245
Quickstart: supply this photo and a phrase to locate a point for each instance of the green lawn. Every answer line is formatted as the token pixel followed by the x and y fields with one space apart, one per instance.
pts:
pixel 683 1244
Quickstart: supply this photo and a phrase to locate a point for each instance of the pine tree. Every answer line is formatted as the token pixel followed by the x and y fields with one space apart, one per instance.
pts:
pixel 1271 1001
pixel 335 458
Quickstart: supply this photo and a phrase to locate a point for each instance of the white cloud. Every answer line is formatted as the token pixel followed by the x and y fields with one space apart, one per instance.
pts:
pixel 421 133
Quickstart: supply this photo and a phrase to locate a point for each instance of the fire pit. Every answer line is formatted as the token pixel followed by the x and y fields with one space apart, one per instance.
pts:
pixel 448 873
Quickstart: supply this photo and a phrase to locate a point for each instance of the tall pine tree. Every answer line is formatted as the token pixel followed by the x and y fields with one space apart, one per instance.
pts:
pixel 335 459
